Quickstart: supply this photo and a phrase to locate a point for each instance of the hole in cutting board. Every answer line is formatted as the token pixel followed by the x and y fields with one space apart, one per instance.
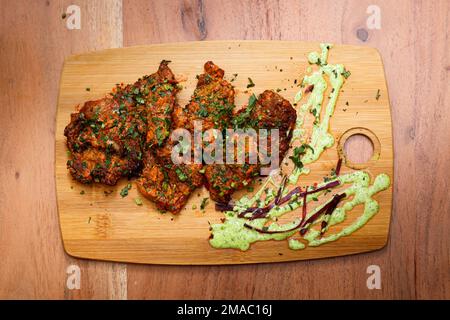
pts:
pixel 358 148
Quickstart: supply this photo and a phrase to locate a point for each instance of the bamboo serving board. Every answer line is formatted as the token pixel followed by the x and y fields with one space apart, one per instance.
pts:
pixel 97 223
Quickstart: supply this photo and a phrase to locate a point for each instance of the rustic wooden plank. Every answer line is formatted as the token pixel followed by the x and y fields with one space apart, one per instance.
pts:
pixel 405 26
pixel 34 42
pixel 418 87
pixel 431 135
pixel 397 261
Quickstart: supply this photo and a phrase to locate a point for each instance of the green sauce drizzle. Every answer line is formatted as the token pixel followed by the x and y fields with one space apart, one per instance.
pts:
pixel 232 233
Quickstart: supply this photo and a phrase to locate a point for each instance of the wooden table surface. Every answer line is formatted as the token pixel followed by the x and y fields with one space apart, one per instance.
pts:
pixel 414 44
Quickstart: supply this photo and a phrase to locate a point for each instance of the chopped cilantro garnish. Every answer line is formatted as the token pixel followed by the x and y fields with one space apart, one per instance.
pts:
pixel 160 135
pixel 250 84
pixel 298 153
pixel 181 175
pixel 252 100
pixel 346 73
pixel 139 99
pixel 204 203
pixel 124 191
pixel 243 117
pixel 378 95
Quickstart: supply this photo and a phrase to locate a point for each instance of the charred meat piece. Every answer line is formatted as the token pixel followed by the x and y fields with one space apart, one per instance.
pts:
pixel 94 164
pixel 222 180
pixel 166 184
pixel 269 111
pixel 212 102
pixel 161 101
pixel 106 137
pixel 102 130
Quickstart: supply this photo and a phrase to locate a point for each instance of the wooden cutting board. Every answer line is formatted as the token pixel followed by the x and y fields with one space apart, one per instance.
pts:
pixel 97 223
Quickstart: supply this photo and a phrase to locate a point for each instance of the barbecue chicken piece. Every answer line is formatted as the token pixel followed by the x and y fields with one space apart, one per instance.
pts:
pixel 106 137
pixel 269 111
pixel 167 184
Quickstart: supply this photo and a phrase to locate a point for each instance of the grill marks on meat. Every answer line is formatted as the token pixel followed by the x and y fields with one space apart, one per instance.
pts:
pixel 106 137
pixel 270 111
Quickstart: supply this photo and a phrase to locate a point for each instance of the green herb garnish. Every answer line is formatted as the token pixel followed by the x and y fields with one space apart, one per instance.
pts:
pixel 160 135
pixel 346 73
pixel 181 175
pixel 204 203
pixel 124 191
pixel 298 153
pixel 250 84
pixel 243 118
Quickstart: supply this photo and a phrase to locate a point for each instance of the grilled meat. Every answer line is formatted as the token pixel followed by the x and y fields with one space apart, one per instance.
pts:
pixel 269 111
pixel 161 103
pixel 212 102
pixel 272 111
pixel 222 180
pixel 126 134
pixel 106 137
pixel 167 184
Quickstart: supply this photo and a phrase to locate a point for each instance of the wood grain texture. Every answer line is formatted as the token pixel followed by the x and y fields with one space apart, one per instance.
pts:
pixel 415 262
pixel 107 227
pixel 33 43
